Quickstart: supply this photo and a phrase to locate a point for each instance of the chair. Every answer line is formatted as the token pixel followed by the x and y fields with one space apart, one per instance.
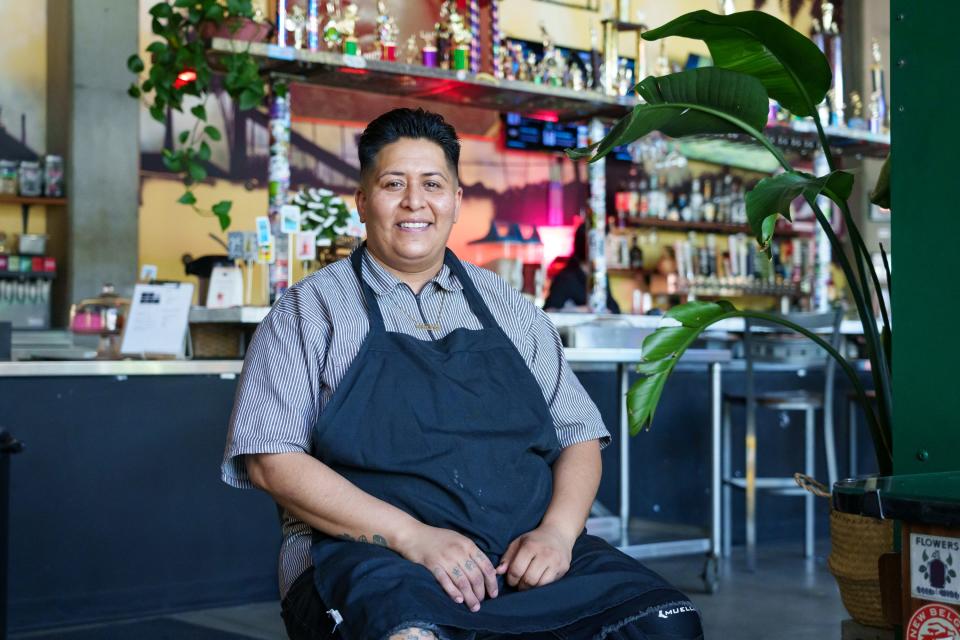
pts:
pixel 769 346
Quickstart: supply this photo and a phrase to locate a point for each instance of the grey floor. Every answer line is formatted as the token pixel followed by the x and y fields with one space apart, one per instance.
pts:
pixel 788 598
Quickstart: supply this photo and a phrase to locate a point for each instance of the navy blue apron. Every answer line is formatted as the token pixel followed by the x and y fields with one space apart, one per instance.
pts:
pixel 456 433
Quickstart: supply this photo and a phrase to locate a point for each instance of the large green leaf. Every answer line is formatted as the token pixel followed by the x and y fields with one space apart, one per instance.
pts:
pixel 772 197
pixel 662 350
pixel 695 102
pixel 790 66
pixel 697 313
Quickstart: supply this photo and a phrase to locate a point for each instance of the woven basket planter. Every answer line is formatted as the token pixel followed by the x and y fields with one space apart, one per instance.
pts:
pixel 856 544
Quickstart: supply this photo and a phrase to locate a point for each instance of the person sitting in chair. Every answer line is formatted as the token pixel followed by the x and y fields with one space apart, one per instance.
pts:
pixel 433 454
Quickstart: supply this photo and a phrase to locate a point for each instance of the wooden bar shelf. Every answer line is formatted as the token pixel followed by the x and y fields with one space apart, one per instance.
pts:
pixel 33 200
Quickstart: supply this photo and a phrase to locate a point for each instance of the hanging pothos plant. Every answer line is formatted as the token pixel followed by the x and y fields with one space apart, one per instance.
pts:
pixel 179 68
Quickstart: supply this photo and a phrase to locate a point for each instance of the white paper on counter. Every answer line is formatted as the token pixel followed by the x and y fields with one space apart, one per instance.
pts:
pixel 157 321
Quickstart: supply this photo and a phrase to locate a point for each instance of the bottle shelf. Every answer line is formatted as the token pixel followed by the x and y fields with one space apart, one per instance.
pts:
pixel 783 231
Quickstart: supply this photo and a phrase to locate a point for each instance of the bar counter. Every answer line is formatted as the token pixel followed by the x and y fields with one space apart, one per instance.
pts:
pixel 121 471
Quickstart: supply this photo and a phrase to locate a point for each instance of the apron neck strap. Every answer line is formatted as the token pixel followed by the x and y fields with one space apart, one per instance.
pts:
pixel 373 307
pixel 477 305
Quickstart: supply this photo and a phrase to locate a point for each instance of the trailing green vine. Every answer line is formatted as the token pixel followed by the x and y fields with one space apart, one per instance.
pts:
pixel 180 68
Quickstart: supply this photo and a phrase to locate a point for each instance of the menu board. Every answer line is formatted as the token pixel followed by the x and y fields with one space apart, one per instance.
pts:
pixel 157 321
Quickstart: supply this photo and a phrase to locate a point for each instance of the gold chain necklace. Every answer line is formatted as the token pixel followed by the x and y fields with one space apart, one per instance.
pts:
pixel 426 326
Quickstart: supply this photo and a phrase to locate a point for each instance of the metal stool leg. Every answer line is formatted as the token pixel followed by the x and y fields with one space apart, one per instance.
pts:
pixel 852 437
pixel 829 444
pixel 751 487
pixel 808 468
pixel 726 475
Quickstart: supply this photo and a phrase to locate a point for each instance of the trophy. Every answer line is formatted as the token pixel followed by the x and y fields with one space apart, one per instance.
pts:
pixel 387 33
pixel 410 51
pixel 577 82
pixel 856 121
pixel 624 78
pixel 331 30
pixel 663 62
pixel 552 66
pixel 296 23
pixel 819 39
pixel 429 54
pixel 832 29
pixel 529 69
pixel 462 39
pixel 878 97
pixel 443 34
pixel 348 28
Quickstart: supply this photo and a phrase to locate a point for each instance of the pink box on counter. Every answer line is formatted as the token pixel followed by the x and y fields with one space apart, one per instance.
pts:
pixel 50 265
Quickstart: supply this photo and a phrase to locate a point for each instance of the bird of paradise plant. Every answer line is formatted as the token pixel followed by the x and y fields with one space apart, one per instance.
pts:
pixel 756 57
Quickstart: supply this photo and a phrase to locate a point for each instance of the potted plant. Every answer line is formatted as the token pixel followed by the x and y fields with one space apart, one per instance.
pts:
pixel 756 58
pixel 326 214
pixel 180 68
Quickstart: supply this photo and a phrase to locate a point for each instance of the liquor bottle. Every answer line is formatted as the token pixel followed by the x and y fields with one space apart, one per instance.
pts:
pixel 696 201
pixel 709 201
pixel 633 196
pixel 654 196
pixel 711 250
pixel 723 200
pixel 620 198
pixel 683 204
pixel 673 211
pixel 736 202
pixel 636 256
pixel 644 199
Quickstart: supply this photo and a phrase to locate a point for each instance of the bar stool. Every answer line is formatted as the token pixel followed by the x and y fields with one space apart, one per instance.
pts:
pixel 769 346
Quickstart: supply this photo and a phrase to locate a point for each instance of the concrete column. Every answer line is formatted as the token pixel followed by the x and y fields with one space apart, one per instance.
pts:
pixel 95 125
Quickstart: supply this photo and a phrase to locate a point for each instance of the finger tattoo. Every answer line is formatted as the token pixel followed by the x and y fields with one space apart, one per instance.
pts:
pixel 456 572
pixel 469 565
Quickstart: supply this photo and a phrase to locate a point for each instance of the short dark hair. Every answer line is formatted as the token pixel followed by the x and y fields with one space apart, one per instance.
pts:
pixel 408 123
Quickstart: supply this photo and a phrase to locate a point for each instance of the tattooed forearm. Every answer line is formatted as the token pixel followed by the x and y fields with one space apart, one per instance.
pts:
pixel 377 539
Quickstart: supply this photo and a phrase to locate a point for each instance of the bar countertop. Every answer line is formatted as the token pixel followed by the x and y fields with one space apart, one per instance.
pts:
pixel 254 315
pixel 56 369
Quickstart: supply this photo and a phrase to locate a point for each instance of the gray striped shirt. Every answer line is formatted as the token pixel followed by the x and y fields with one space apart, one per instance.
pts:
pixel 306 343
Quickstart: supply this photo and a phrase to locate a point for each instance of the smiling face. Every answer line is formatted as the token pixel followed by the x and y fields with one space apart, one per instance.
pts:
pixel 409 201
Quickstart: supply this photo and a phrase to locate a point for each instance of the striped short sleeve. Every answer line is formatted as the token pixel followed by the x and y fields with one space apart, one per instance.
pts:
pixel 575 415
pixel 277 401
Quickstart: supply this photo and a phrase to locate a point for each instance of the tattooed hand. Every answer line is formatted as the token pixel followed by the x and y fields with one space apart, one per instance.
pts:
pixel 464 572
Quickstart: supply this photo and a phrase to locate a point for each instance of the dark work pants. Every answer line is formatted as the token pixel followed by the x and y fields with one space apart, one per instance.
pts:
pixel 663 614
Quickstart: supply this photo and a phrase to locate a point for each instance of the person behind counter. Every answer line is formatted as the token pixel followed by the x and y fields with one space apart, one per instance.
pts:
pixel 569 286
pixel 430 447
